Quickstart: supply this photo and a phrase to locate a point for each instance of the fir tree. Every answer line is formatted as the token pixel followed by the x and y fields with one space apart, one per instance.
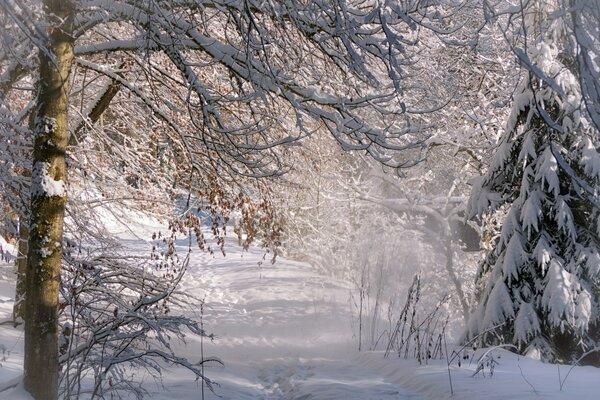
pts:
pixel 541 280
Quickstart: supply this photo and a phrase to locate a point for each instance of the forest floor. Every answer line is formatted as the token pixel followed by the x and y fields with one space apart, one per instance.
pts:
pixel 285 332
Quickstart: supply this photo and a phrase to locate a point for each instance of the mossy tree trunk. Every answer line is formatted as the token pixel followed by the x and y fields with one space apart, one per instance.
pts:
pixel 48 200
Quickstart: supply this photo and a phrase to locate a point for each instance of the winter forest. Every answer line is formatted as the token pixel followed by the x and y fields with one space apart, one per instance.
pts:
pixel 299 199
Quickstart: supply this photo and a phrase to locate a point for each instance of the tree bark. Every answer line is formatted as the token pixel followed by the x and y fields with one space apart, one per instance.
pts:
pixel 96 112
pixel 48 200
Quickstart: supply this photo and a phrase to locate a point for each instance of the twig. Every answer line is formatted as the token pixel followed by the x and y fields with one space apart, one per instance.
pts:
pixel 523 375
pixel 587 353
pixel 448 365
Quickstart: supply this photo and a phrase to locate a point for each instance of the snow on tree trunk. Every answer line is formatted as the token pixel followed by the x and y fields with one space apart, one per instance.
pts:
pixel 48 199
pixel 543 274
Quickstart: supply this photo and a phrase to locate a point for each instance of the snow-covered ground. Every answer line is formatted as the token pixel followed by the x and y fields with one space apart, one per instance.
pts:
pixel 286 332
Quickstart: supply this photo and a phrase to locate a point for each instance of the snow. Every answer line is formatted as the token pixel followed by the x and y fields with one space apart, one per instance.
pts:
pixel 564 217
pixel 500 158
pixel 547 171
pixel 592 261
pixel 45 125
pixel 284 331
pixel 513 258
pixel 531 211
pixel 520 104
pixel 481 198
pixel 583 310
pixel 527 324
pixel 557 298
pixel 528 148
pixel 43 183
pixel 542 253
pixel 499 305
pixel 590 160
pixel 8 251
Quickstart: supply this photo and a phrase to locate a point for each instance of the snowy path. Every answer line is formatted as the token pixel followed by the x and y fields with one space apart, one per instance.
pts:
pixel 283 332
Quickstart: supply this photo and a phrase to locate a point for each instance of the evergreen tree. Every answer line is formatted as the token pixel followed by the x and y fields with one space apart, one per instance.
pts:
pixel 541 280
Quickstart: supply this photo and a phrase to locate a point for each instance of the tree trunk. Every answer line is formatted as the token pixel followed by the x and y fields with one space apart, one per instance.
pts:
pixel 48 200
pixel 450 269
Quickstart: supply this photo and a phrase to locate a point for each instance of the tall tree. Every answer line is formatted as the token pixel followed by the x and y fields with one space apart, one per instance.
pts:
pixel 48 200
pixel 542 278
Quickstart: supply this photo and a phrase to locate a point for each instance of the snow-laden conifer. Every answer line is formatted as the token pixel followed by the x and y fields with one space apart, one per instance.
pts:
pixel 541 279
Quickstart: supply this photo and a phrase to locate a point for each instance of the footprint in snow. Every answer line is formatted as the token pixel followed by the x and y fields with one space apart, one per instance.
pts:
pixel 281 380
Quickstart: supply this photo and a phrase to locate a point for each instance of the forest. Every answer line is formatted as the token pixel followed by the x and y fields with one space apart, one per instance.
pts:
pixel 299 199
